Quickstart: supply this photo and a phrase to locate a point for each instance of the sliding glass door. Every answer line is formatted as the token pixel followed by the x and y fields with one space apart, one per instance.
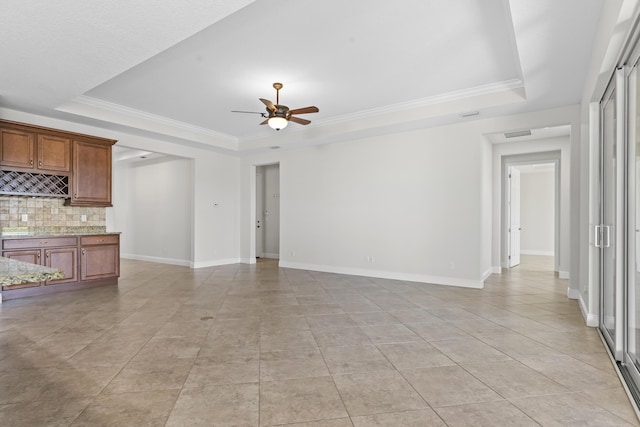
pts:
pixel 632 353
pixel 606 233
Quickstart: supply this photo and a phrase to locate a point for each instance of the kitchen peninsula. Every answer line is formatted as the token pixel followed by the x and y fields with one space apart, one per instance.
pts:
pixel 14 272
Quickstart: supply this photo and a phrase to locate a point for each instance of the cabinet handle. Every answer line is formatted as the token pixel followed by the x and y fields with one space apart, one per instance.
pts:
pixel 83 252
pixel 46 254
pixel 31 162
pixel 40 163
pixel 38 255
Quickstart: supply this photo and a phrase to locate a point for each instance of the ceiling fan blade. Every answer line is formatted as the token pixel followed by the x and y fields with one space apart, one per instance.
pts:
pixel 299 120
pixel 265 122
pixel 305 110
pixel 268 103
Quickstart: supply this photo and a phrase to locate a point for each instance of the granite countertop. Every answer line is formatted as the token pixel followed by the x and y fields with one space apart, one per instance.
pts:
pixel 14 272
pixel 49 234
pixel 38 232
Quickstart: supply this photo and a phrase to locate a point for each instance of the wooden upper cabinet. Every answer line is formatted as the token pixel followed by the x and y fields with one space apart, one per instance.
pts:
pixel 17 148
pixel 55 163
pixel 32 150
pixel 54 153
pixel 91 183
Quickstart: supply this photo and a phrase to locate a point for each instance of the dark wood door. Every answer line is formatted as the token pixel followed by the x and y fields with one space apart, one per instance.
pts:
pixel 32 256
pixel 99 262
pixel 65 259
pixel 91 174
pixel 54 153
pixel 17 148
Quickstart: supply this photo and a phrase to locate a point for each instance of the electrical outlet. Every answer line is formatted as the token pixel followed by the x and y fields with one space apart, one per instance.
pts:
pixel 83 218
pixel 25 217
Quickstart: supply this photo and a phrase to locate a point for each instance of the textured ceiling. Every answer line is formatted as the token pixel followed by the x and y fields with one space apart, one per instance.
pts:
pixel 175 69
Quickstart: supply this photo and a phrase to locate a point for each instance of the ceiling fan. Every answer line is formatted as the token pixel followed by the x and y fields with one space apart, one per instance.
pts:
pixel 278 116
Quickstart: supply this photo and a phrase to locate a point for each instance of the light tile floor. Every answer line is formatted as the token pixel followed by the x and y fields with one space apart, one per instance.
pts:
pixel 256 345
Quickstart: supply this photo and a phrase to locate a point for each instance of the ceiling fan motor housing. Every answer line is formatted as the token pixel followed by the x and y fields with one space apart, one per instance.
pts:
pixel 280 111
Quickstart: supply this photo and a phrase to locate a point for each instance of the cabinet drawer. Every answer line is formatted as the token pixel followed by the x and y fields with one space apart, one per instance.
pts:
pixel 45 242
pixel 101 239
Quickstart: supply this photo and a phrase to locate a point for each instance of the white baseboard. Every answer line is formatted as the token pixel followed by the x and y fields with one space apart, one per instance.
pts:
pixel 573 293
pixel 159 260
pixel 271 255
pixel 487 273
pixel 215 262
pixel 563 275
pixel 534 252
pixel 409 277
pixel 182 262
pixel 496 270
pixel 592 320
pixel 248 260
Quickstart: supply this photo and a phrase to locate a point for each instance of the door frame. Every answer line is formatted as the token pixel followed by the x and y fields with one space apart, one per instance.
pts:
pixel 253 205
pixel 259 223
pixel 511 258
pixel 521 160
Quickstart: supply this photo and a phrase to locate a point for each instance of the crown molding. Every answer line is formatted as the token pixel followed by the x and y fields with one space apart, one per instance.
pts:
pixel 425 104
pixel 508 85
pixel 148 121
pixel 94 107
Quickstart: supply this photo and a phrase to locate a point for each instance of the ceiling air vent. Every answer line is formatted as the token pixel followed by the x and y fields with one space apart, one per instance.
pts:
pixel 469 114
pixel 517 133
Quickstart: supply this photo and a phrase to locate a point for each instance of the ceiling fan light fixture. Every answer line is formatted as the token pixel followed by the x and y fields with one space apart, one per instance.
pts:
pixel 278 123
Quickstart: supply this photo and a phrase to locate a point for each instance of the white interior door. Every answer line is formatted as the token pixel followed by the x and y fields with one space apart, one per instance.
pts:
pixel 259 215
pixel 514 217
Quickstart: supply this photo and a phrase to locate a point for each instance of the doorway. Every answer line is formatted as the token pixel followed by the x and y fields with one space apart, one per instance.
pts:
pixel 531 219
pixel 268 211
pixel 531 210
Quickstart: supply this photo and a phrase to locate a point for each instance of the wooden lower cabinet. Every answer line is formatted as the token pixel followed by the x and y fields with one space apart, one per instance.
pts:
pixel 65 259
pixel 87 261
pixel 100 257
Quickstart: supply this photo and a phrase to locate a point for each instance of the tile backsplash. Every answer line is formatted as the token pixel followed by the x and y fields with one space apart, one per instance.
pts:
pixel 47 212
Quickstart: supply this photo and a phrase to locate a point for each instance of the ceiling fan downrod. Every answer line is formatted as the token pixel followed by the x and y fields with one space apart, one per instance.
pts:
pixel 277 87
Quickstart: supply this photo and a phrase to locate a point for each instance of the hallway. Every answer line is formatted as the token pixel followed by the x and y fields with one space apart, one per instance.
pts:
pixel 255 345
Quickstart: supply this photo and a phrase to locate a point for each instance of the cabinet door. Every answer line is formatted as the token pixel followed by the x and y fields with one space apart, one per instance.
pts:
pixel 54 153
pixel 91 174
pixel 32 256
pixel 99 262
pixel 17 148
pixel 64 259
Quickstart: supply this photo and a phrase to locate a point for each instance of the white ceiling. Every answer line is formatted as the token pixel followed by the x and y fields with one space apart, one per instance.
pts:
pixel 174 69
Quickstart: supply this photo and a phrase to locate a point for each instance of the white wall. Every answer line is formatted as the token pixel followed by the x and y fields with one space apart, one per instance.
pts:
pixel 403 206
pixel 537 194
pixel 418 205
pixel 153 211
pixel 486 212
